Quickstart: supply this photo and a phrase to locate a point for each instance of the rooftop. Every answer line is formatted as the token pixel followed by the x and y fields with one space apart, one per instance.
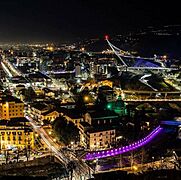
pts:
pixel 99 129
pixel 85 124
pixel 48 112
pixel 103 114
pixel 38 75
pixel 40 106
pixel 15 122
pixel 9 98
pixel 73 113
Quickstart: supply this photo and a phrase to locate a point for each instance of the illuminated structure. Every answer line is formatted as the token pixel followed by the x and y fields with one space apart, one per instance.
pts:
pixel 118 107
pixel 11 107
pixel 101 138
pixel 77 71
pixel 96 138
pixel 43 111
pixel 16 133
pixel 14 128
pixel 121 150
pixel 133 63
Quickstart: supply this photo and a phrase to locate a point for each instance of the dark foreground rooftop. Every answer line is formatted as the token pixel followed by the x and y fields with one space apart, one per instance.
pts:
pixel 150 175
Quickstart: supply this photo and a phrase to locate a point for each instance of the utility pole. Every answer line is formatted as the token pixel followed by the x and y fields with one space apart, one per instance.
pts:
pixel 132 158
pixel 0 143
pixel 17 156
pixel 6 152
pixel 142 156
pixel 120 161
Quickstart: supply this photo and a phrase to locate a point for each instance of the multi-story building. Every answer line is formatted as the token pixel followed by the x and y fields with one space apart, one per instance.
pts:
pixel 97 129
pixel 96 138
pixel 16 133
pixel 11 107
pixel 43 111
pixel 49 115
pixel 102 118
pixel 99 138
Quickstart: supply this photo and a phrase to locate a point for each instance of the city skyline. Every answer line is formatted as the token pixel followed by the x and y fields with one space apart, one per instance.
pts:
pixel 67 21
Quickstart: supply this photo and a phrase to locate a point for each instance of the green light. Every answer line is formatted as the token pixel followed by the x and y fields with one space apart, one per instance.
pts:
pixel 109 106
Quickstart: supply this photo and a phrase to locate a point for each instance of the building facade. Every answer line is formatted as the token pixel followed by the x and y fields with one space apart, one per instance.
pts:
pixel 96 138
pixel 15 135
pixel 11 108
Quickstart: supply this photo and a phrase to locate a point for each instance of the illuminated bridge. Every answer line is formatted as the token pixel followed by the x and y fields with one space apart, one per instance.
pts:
pixel 132 63
pixel 171 123
pixel 121 150
pixel 152 100
pixel 133 146
pixel 150 96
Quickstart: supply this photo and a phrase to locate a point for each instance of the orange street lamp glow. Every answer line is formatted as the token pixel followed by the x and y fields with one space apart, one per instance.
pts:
pixel 86 98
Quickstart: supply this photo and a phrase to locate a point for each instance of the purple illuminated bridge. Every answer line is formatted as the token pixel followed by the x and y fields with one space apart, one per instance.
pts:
pixel 121 150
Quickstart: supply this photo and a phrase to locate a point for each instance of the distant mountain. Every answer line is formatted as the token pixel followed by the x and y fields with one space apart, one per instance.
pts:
pixel 161 41
pixel 164 40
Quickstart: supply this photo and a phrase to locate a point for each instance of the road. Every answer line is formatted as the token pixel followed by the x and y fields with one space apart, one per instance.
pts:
pixel 145 81
pixel 82 170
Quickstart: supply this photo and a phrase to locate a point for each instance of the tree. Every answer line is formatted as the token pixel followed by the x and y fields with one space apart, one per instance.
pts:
pixel 65 131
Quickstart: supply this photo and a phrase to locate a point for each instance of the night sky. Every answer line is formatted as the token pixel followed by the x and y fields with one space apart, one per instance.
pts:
pixel 68 20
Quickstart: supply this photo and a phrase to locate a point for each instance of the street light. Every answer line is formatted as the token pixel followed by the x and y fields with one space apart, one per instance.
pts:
pixel 162 158
pixel 135 168
pixel 71 142
pixel 153 161
pixel 86 98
